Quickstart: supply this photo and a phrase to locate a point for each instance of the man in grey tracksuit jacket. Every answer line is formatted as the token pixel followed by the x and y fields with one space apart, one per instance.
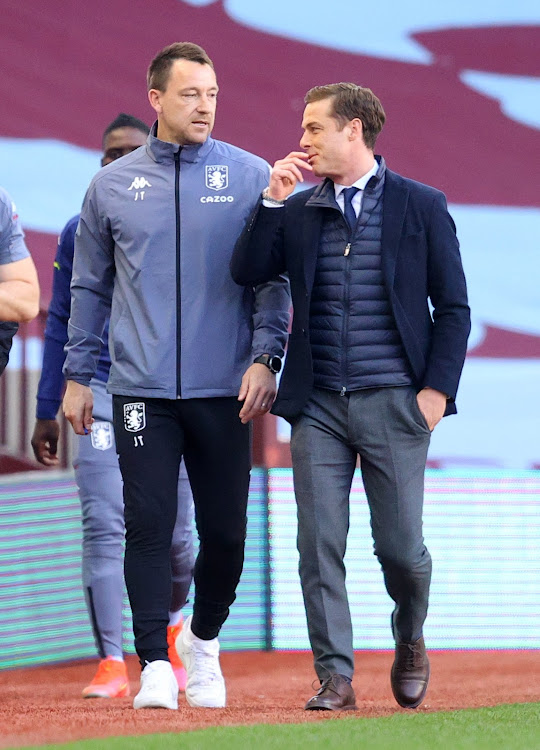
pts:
pixel 180 327
pixel 154 241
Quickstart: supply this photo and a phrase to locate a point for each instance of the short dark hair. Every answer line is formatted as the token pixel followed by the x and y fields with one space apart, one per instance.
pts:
pixel 350 101
pixel 125 121
pixel 159 69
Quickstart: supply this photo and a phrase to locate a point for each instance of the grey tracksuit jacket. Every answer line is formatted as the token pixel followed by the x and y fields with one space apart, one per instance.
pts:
pixel 153 246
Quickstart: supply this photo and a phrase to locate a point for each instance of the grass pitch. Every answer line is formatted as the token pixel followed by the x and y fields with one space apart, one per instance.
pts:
pixel 507 727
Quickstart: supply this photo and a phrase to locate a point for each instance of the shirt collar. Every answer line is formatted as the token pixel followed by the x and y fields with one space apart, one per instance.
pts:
pixel 360 183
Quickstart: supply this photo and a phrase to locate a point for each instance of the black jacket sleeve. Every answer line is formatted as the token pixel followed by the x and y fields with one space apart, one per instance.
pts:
pixel 258 255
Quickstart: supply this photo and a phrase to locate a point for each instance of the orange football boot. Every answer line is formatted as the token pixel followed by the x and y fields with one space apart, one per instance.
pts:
pixel 176 662
pixel 110 680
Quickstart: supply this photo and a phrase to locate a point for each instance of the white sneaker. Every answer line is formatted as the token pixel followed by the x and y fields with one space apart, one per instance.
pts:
pixel 205 686
pixel 159 688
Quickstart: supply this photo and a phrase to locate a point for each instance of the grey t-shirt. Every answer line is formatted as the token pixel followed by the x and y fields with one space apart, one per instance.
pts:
pixel 12 244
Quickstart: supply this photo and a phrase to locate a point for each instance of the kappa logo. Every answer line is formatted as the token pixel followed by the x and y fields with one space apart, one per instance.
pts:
pixel 134 417
pixel 102 436
pixel 217 177
pixel 139 184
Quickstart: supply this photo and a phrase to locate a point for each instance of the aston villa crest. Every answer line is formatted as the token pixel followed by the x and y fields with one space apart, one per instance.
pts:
pixel 101 436
pixel 134 417
pixel 217 177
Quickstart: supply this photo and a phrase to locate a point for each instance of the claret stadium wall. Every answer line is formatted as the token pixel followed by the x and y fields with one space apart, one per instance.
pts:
pixel 460 83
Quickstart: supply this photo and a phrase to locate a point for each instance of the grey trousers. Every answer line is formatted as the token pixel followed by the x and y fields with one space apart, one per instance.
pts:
pixel 101 494
pixel 386 428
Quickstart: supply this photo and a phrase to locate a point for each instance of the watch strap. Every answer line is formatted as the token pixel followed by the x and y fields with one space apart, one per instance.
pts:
pixel 268 361
pixel 275 201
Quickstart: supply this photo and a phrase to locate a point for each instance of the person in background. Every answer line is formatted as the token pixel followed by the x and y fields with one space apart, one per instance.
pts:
pixel 96 468
pixel 370 370
pixel 19 286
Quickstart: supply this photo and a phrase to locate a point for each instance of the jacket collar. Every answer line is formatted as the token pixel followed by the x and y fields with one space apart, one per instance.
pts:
pixel 324 195
pixel 162 151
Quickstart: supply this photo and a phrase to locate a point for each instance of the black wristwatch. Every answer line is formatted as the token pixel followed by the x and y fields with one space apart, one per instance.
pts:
pixel 272 361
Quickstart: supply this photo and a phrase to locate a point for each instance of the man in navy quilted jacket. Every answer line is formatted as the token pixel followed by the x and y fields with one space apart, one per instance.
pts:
pixel 369 372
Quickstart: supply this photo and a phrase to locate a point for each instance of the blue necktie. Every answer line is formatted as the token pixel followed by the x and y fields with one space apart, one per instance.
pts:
pixel 348 195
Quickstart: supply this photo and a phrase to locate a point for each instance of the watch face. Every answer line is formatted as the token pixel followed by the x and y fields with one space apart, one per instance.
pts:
pixel 275 364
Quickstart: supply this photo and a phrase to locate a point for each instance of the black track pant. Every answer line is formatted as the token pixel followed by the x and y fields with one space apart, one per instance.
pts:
pixel 151 436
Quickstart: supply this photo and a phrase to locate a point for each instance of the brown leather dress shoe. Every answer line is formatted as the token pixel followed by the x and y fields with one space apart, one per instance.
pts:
pixel 410 673
pixel 335 694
